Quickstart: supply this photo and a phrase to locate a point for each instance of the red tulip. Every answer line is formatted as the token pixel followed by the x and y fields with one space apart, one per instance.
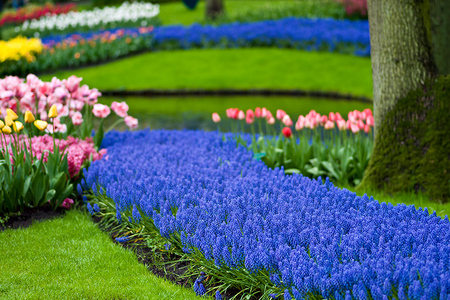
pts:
pixel 287 132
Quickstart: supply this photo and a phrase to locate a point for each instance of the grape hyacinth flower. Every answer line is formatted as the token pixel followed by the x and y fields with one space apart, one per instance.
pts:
pixel 90 209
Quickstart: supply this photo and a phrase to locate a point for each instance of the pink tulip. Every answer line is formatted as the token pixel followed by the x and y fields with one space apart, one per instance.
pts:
pixel 338 116
pixel 366 128
pixel 323 119
pixel 368 112
pixel 63 111
pixel 263 112
pixel 121 109
pixel 131 122
pixel 360 124
pixel 33 81
pixel 351 117
pixel 6 95
pixel 357 114
pixel 287 121
pixel 299 124
pixel 268 115
pixel 61 93
pixel 341 124
pixel 370 121
pixel 250 116
pixel 354 128
pixel 307 124
pixel 73 83
pixel 92 98
pixel 229 113
pixel 258 112
pixel 241 115
pixel 101 111
pixel 329 125
pixel 280 114
pixel 332 116
pixel 77 118
pixel 271 121
pixel 215 117
pixel 348 124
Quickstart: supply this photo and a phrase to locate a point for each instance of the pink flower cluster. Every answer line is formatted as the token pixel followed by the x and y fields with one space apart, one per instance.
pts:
pixel 69 97
pixel 357 120
pixel 78 151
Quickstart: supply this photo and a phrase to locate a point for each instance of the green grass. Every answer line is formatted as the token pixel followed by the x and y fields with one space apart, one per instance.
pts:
pixel 232 68
pixel 177 12
pixel 70 258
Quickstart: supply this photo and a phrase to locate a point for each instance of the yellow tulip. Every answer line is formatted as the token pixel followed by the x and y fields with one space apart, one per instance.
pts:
pixel 53 112
pixel 8 121
pixel 18 126
pixel 29 118
pixel 41 125
pixel 11 114
pixel 6 129
pixel 2 124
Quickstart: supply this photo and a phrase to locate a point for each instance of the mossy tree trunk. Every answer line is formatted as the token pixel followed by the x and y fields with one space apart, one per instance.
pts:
pixel 410 53
pixel 214 8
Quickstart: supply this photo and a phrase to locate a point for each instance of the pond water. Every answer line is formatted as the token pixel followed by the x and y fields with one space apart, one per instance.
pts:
pixel 195 112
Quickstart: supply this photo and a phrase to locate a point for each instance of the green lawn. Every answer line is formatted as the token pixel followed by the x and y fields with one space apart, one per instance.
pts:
pixel 232 68
pixel 70 258
pixel 177 13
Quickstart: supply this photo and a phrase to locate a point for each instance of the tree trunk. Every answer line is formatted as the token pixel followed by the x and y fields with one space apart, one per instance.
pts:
pixel 213 9
pixel 409 49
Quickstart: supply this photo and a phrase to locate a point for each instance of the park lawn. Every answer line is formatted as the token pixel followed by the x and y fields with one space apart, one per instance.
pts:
pixel 177 13
pixel 232 68
pixel 71 258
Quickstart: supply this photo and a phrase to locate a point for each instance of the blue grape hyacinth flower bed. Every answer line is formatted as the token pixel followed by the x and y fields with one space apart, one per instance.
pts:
pixel 311 239
pixel 343 36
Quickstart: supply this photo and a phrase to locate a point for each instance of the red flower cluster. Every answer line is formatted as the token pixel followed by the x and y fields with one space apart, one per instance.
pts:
pixel 24 14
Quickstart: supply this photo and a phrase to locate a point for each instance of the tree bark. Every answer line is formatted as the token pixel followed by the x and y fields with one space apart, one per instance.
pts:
pixel 401 54
pixel 213 9
pixel 410 53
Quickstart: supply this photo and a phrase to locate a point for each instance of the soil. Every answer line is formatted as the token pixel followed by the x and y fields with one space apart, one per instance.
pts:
pixel 29 216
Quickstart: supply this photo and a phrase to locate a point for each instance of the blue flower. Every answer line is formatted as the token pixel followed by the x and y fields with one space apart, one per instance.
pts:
pixel 96 208
pixel 90 209
pixel 122 239
pixel 218 295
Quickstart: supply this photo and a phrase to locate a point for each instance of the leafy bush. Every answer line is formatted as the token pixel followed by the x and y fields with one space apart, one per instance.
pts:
pixel 262 231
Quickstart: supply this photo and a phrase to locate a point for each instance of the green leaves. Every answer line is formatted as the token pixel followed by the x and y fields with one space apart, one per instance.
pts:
pixel 29 182
pixel 341 157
